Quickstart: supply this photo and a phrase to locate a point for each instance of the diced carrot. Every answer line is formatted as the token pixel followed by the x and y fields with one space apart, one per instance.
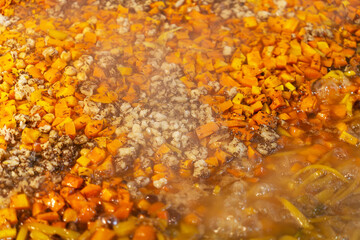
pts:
pixel 277 102
pixel 226 80
pixel 62 110
pixel 143 205
pixel 307 50
pixel 30 135
pixel 250 22
pixel 19 201
pixel 254 59
pixel 107 132
pixel 66 191
pixel 192 218
pixel 309 104
pixel 9 78
pixel 316 62
pixel 339 111
pixel 9 214
pixel 144 232
pixel 106 168
pixel 52 75
pixel 340 61
pixel 54 201
pixel 7 61
pixel 48 216
pixel 90 37
pixel 225 106
pixel 212 162
pixel 290 25
pixel 257 106
pixel 108 194
pixel 124 210
pixel 207 129
pixel 72 181
pixel 98 72
pixel 114 145
pixel 281 61
pixel 93 128
pixel 35 72
pixel 38 208
pixel 70 215
pixel 249 81
pixel 311 73
pixel 59 64
pixel 91 190
pixel 97 155
pixel 296 132
pixel 81 121
pixel 70 129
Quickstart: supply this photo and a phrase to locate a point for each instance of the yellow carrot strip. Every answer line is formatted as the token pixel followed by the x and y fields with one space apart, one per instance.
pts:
pixel 347 137
pixel 323 167
pixel 325 157
pixel 287 237
pixel 86 235
pixel 308 180
pixel 162 39
pixel 35 234
pixel 283 132
pixel 301 219
pixel 325 195
pixel 22 233
pixel 319 219
pixel 50 230
pixel 7 233
pixel 175 149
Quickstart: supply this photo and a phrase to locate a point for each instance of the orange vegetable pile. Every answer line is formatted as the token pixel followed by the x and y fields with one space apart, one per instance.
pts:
pixel 253 72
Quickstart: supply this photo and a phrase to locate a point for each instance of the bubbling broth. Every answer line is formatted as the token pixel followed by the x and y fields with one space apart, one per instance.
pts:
pixel 293 198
